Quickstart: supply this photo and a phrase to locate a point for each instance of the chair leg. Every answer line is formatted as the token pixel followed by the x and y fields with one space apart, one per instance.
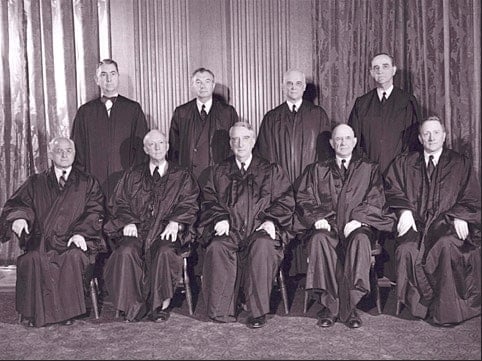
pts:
pixel 399 308
pixel 117 313
pixel 284 293
pixel 305 304
pixel 187 286
pixel 377 296
pixel 93 296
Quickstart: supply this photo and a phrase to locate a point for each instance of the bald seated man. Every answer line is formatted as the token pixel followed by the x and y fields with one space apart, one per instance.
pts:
pixel 151 214
pixel 340 209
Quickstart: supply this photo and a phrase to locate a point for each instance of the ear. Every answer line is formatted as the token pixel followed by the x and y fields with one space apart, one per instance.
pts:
pixel 394 70
pixel 331 143
pixel 355 140
pixel 145 150
pixel 420 139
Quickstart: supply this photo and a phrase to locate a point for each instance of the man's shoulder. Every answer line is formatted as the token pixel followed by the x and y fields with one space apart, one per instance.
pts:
pixel 186 106
pixel 217 104
pixel 123 99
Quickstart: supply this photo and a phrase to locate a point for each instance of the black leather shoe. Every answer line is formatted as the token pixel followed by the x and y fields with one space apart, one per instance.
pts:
pixel 257 322
pixel 326 318
pixel 354 320
pixel 162 315
pixel 68 322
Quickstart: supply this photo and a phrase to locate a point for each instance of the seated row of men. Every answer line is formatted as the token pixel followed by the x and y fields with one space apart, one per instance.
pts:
pixel 244 215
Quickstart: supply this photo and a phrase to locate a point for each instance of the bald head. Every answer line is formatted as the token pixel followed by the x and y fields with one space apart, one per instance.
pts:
pixel 343 140
pixel 294 85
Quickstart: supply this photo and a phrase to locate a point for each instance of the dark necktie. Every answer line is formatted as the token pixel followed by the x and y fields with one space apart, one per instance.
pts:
pixel 63 180
pixel 343 168
pixel 384 97
pixel 243 169
pixel 204 115
pixel 155 175
pixel 430 167
pixel 294 109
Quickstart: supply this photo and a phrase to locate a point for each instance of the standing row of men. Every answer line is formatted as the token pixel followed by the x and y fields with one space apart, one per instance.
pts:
pixel 247 202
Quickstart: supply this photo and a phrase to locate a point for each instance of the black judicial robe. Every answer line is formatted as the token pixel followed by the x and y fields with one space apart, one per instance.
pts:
pixel 270 197
pixel 138 200
pixel 50 285
pixel 447 283
pixel 322 193
pixel 385 130
pixel 294 141
pixel 197 144
pixel 106 146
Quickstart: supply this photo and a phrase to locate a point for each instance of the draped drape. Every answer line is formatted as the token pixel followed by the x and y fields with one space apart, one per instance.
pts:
pixel 436 48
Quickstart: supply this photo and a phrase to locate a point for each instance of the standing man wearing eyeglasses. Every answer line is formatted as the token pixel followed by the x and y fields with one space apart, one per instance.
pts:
pixel 385 121
pixel 108 130
pixel 294 134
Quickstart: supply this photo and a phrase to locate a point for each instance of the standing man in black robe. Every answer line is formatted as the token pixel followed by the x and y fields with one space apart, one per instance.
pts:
pixel 436 197
pixel 340 207
pixel 58 217
pixel 385 121
pixel 294 134
pixel 108 131
pixel 247 208
pixel 151 214
pixel 198 134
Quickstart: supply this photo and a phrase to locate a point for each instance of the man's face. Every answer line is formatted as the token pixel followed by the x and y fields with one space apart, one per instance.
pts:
pixel 62 154
pixel 382 70
pixel 156 146
pixel 432 136
pixel 202 84
pixel 294 86
pixel 343 141
pixel 242 142
pixel 107 78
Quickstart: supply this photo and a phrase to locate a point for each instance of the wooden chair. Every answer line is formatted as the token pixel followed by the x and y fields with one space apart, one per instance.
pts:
pixel 282 287
pixel 374 280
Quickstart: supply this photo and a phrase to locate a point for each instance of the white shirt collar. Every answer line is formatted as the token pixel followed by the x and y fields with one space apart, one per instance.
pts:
pixel 59 172
pixel 111 96
pixel 247 162
pixel 208 105
pixel 388 91
pixel 298 104
pixel 436 156
pixel 161 170
pixel 347 163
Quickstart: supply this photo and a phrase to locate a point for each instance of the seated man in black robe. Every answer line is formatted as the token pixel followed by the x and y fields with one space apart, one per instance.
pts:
pixel 437 200
pixel 150 217
pixel 246 211
pixel 58 217
pixel 340 206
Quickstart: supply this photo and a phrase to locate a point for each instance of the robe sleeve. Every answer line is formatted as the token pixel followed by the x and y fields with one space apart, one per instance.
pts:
pixel 281 209
pixel 174 138
pixel 372 210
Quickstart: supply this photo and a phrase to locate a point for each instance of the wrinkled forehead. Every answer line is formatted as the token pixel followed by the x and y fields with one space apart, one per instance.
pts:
pixel 106 68
pixel 154 137
pixel 431 125
pixel 342 131
pixel 239 132
pixel 203 75
pixel 381 59
pixel 62 143
pixel 294 76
